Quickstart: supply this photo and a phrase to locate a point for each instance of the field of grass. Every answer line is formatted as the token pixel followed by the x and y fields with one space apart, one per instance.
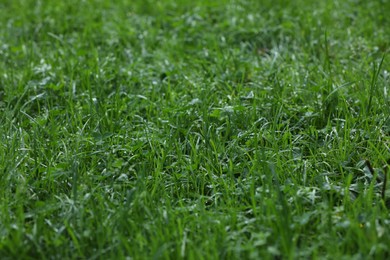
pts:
pixel 227 129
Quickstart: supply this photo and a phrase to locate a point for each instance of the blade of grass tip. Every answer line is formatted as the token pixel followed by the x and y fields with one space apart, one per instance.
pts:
pixel 285 213
pixel 385 189
pixel 327 58
pixel 75 169
pixel 338 88
pixel 373 82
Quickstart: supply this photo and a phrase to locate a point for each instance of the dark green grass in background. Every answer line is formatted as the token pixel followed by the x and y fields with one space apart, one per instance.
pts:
pixel 194 129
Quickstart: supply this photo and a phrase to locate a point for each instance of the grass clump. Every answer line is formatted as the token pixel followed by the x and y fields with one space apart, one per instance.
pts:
pixel 197 130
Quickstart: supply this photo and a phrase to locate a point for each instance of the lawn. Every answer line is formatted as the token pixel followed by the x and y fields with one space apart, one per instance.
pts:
pixel 177 129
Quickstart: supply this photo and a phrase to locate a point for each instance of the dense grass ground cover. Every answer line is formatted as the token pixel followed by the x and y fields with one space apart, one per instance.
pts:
pixel 194 129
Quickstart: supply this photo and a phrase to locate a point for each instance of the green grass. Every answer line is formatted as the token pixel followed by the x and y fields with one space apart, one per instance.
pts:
pixel 194 129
